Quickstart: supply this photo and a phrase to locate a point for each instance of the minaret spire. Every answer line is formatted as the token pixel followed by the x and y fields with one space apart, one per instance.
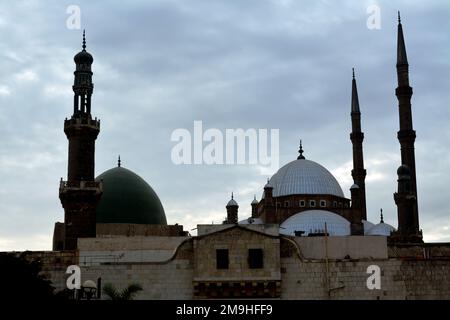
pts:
pixel 402 58
pixel 119 162
pixel 84 40
pixel 355 100
pixel 300 151
pixel 358 172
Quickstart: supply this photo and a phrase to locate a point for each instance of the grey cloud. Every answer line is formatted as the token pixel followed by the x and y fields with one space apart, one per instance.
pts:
pixel 160 65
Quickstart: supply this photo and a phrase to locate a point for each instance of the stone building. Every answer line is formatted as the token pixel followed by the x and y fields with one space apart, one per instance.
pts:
pixel 304 239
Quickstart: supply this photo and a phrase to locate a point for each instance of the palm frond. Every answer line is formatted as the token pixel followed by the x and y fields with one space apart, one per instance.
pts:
pixel 130 292
pixel 111 291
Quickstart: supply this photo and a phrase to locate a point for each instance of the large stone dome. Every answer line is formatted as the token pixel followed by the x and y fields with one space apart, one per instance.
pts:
pixel 127 198
pixel 304 177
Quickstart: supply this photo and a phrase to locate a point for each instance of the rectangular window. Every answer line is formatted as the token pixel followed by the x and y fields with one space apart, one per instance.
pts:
pixel 222 258
pixel 302 203
pixel 335 204
pixel 312 203
pixel 323 203
pixel 286 204
pixel 255 258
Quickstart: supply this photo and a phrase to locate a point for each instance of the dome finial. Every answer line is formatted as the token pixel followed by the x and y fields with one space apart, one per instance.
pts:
pixel 353 73
pixel 300 151
pixel 399 20
pixel 381 216
pixel 119 162
pixel 84 40
pixel 232 196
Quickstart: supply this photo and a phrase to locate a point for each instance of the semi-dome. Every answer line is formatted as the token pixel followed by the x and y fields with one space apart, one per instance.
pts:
pixel 381 229
pixel 303 176
pixel 367 226
pixel 313 221
pixel 127 198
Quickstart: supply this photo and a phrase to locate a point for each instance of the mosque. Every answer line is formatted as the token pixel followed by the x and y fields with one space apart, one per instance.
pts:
pixel 303 240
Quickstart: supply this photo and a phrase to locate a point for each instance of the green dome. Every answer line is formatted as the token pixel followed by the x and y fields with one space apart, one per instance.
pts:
pixel 127 198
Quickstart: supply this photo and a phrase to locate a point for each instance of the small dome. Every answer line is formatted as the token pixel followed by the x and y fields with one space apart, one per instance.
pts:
pixel 232 202
pixel 381 229
pixel 254 200
pixel 83 57
pixel 268 185
pixel 304 177
pixel 127 198
pixel 354 186
pixel 313 221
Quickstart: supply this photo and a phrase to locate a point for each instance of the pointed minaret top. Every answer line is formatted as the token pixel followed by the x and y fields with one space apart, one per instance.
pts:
pixel 119 162
pixel 300 151
pixel 402 59
pixel 232 196
pixel 381 216
pixel 399 20
pixel 84 40
pixel 355 100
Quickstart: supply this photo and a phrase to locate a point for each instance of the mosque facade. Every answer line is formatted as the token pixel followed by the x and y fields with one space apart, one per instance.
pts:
pixel 303 240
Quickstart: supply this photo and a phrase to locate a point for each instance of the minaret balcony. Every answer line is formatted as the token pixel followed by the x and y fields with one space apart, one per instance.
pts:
pixel 67 186
pixel 80 120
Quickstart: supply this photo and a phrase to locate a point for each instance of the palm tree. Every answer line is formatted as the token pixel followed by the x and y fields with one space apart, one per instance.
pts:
pixel 126 294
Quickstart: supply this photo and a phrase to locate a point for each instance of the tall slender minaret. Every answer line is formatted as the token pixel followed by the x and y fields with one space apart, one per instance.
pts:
pixel 406 135
pixel 80 194
pixel 357 137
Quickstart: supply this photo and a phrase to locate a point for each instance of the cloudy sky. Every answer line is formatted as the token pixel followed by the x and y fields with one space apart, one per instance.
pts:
pixel 263 64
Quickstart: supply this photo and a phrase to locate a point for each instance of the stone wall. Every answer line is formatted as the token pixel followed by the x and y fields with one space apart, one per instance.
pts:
pixel 54 265
pixel 132 229
pixel 351 247
pixel 238 240
pixel 346 278
pixel 95 251
pixel 408 272
pixel 171 279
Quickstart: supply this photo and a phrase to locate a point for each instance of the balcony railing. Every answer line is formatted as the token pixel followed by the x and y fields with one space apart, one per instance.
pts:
pixel 86 185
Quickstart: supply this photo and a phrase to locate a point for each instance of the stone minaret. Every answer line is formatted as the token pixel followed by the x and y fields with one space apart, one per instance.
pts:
pixel 357 137
pixel 232 211
pixel 255 207
pixel 269 215
pixel 408 225
pixel 406 135
pixel 80 194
